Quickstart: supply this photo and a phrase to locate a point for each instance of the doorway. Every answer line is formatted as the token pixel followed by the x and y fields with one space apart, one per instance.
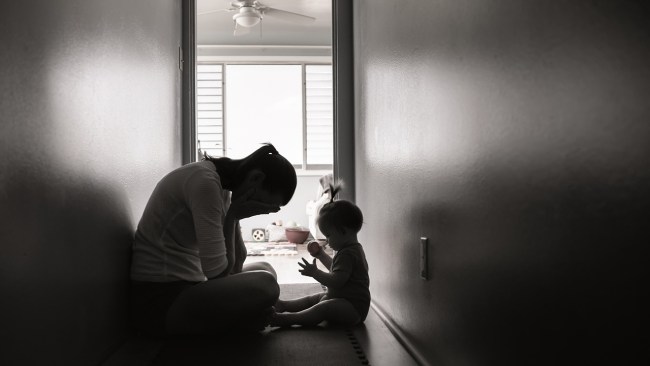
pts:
pixel 243 80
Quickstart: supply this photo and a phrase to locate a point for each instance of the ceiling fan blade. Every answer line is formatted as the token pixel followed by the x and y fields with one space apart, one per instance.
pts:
pixel 216 11
pixel 287 15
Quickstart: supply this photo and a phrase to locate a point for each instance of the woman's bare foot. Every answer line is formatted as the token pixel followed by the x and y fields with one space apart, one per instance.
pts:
pixel 278 320
pixel 257 322
pixel 279 307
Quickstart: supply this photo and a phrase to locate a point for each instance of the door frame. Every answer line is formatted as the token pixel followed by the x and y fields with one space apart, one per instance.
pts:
pixel 188 47
pixel 343 75
pixel 343 78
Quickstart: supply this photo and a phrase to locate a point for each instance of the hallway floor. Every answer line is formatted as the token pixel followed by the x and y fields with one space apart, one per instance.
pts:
pixel 370 343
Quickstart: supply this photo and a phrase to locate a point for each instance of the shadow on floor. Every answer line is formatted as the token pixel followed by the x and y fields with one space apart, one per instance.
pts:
pixel 275 347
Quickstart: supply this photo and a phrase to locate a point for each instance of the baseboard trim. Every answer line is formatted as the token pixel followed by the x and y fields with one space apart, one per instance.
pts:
pixel 399 335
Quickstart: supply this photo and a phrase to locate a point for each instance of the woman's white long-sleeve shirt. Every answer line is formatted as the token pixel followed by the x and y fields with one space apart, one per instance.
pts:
pixel 180 235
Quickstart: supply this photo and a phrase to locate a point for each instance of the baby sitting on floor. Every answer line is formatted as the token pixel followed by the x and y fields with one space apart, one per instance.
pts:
pixel 347 299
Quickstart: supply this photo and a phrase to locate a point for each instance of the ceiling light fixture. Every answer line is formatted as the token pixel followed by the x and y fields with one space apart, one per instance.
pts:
pixel 247 17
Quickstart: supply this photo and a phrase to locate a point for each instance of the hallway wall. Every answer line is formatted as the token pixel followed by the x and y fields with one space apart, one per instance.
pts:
pixel 90 120
pixel 514 135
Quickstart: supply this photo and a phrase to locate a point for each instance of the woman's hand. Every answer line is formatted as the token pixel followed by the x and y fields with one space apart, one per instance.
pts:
pixel 243 207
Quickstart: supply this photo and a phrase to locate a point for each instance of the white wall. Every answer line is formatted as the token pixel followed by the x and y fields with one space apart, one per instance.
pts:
pixel 90 109
pixel 295 211
pixel 515 135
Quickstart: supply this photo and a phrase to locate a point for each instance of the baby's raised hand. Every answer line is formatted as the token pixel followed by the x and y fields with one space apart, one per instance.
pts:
pixel 308 269
pixel 313 248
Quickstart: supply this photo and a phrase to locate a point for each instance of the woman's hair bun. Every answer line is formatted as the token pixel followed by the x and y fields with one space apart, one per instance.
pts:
pixel 268 148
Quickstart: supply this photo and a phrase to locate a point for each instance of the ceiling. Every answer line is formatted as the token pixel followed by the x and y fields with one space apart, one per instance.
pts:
pixel 217 28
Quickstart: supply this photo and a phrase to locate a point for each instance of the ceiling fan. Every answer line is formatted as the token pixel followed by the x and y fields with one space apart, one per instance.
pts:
pixel 249 13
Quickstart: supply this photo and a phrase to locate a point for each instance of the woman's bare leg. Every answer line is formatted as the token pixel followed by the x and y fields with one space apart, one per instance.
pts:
pixel 260 266
pixel 225 304
pixel 298 304
pixel 338 311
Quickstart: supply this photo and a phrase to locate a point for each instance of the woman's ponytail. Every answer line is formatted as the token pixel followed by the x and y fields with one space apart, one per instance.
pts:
pixel 280 175
pixel 266 149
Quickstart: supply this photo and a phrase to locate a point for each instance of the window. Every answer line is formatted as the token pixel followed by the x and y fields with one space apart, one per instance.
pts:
pixel 264 104
pixel 319 116
pixel 240 106
pixel 209 109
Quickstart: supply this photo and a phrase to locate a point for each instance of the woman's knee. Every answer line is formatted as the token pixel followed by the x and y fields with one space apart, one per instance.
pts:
pixel 266 285
pixel 261 266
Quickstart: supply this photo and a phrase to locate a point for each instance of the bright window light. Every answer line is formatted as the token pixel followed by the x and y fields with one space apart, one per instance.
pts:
pixel 263 103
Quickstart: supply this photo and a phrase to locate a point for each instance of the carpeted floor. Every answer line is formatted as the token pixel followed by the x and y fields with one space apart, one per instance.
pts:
pixel 296 290
pixel 371 341
pixel 315 346
pixel 281 347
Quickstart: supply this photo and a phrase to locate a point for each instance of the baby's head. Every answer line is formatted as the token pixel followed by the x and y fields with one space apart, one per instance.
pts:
pixel 339 219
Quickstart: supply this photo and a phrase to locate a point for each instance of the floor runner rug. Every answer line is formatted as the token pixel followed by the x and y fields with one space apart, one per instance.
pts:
pixel 296 290
pixel 315 346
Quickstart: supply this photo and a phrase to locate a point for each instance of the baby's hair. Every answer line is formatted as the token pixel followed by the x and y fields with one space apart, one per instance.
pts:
pixel 340 213
pixel 334 189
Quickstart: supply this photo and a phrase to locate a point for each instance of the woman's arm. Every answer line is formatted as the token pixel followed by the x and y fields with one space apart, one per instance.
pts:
pixel 240 250
pixel 205 199
pixel 229 230
pixel 235 248
pixel 241 208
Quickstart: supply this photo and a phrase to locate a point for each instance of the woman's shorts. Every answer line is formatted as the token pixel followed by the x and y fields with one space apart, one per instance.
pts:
pixel 150 302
